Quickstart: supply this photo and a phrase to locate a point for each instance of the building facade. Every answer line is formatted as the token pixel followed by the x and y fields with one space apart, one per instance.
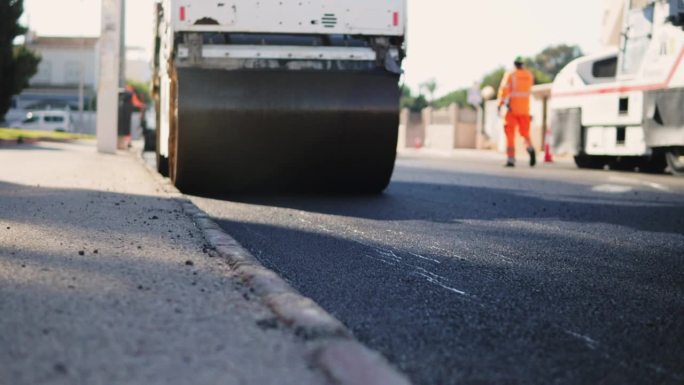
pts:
pixel 67 74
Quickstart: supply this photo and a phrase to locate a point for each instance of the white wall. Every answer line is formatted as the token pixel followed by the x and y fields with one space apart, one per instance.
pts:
pixel 138 64
pixel 62 67
pixel 138 70
pixel 88 122
pixel 493 125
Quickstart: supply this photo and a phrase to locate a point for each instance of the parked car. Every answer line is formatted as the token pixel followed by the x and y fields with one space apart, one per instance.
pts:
pixel 47 120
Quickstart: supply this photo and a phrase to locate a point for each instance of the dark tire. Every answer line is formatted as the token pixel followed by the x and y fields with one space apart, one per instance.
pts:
pixel 162 161
pixel 591 162
pixel 162 165
pixel 654 164
pixel 627 163
pixel 150 140
pixel 675 161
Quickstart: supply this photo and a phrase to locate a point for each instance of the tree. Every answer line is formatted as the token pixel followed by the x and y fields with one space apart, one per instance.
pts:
pixel 142 89
pixel 430 86
pixel 413 103
pixel 540 77
pixel 406 97
pixel 459 97
pixel 26 65
pixel 493 78
pixel 551 60
pixel 17 65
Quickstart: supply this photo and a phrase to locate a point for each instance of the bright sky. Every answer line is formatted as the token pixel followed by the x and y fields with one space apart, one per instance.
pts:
pixel 453 41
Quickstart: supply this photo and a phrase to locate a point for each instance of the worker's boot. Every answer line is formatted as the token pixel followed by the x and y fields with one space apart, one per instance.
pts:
pixel 510 162
pixel 533 156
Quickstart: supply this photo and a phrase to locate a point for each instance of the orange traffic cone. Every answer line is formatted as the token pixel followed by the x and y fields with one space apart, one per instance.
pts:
pixel 548 157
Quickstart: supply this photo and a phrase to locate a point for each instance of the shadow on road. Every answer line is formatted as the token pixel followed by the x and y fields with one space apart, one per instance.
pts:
pixel 444 203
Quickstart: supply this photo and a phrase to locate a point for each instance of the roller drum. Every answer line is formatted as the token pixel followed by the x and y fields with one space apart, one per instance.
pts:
pixel 285 130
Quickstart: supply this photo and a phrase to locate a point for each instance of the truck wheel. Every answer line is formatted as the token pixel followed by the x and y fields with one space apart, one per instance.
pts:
pixel 162 161
pixel 655 164
pixel 149 140
pixel 162 165
pixel 675 161
pixel 625 163
pixel 590 162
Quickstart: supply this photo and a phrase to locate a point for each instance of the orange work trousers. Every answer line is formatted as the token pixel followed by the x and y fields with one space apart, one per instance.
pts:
pixel 513 122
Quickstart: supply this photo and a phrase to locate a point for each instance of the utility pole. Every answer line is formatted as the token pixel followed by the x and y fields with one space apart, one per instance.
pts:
pixel 81 79
pixel 122 46
pixel 108 85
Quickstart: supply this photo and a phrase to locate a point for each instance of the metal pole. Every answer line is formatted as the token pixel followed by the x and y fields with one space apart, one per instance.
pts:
pixel 122 45
pixel 81 70
pixel 108 85
pixel 81 80
pixel 80 97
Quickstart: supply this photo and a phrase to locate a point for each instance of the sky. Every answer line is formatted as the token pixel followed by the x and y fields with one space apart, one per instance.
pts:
pixel 453 41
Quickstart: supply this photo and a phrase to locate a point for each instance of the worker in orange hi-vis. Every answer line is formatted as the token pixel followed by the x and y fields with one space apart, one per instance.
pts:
pixel 514 93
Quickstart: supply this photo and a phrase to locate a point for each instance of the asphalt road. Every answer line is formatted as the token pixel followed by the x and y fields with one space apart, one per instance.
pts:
pixel 463 272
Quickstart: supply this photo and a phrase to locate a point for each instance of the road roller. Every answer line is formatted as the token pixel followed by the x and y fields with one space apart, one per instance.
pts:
pixel 278 95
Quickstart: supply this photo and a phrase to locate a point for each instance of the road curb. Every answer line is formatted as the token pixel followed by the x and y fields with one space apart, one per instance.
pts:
pixel 344 360
pixel 349 362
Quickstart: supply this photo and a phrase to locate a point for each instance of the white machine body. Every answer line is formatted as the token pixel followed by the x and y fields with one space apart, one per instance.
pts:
pixel 376 19
pixel 359 17
pixel 602 104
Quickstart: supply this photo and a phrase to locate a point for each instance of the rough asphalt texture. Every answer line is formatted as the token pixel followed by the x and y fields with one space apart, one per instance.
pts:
pixel 466 273
pixel 103 280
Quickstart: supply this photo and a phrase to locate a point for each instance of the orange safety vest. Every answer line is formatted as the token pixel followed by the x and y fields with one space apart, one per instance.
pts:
pixel 515 91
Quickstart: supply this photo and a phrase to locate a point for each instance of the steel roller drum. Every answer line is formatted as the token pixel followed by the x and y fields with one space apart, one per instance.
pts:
pixel 267 130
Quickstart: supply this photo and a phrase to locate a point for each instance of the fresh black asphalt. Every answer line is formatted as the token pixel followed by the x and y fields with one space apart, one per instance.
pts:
pixel 475 275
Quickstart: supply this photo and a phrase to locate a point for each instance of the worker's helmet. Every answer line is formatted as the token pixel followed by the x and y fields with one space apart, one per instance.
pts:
pixel 518 60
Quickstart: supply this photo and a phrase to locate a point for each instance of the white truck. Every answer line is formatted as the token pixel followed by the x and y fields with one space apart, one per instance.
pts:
pixel 625 107
pixel 278 94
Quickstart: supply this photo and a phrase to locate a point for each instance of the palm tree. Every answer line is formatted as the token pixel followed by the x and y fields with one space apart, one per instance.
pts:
pixel 430 86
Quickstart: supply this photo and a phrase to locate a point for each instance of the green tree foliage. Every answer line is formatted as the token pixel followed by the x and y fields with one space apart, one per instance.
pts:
pixel 26 65
pixel 459 97
pixel 493 78
pixel 540 77
pixel 551 60
pixel 413 103
pixel 17 65
pixel 142 89
pixel 430 86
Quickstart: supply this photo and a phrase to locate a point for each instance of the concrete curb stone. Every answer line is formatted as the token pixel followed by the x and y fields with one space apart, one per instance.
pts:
pixel 348 362
pixel 339 355
pixel 307 318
